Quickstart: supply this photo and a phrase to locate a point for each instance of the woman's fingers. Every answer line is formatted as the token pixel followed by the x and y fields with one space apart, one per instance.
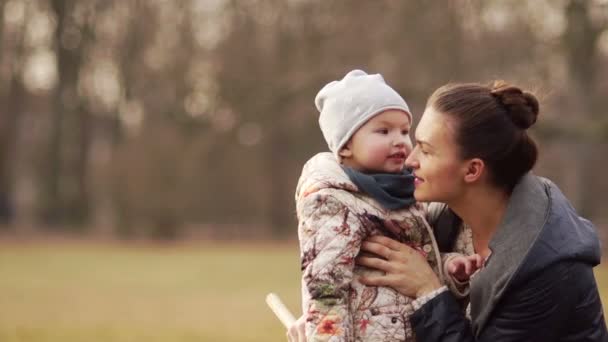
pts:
pixel 377 249
pixel 387 242
pixel 388 248
pixel 377 263
pixel 406 270
pixel 375 280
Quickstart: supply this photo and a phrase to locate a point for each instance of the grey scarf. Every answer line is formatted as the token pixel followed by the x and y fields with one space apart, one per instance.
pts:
pixel 391 190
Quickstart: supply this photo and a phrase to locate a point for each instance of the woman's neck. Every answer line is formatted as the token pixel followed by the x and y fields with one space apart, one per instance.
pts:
pixel 482 209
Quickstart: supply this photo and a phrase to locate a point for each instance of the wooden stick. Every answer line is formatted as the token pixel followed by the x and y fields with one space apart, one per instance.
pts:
pixel 280 310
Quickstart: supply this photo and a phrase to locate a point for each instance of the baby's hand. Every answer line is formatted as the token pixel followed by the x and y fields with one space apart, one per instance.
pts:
pixel 296 332
pixel 462 267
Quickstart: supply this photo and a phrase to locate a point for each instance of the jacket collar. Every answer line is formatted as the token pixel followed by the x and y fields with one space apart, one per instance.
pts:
pixel 526 214
pixel 320 172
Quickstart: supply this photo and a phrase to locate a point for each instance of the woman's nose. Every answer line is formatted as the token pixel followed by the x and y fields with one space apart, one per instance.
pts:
pixel 411 161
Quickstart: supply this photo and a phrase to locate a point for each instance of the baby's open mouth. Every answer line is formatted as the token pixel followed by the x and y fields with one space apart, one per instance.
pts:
pixel 397 155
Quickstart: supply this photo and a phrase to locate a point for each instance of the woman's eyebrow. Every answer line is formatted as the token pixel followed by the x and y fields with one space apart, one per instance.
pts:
pixel 422 142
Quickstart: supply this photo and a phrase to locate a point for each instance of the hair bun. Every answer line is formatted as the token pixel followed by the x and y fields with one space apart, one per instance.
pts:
pixel 522 107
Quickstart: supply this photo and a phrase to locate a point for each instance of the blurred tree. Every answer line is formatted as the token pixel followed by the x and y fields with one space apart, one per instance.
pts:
pixel 65 198
pixel 13 94
pixel 277 55
pixel 162 115
pixel 151 190
pixel 580 41
pixel 269 66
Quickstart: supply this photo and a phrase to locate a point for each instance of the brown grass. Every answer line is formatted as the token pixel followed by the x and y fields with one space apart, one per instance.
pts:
pixel 82 291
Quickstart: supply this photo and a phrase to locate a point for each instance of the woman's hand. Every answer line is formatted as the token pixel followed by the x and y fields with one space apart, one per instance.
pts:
pixel 406 270
pixel 297 332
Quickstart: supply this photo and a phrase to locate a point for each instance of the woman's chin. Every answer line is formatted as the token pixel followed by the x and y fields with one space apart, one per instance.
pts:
pixel 420 196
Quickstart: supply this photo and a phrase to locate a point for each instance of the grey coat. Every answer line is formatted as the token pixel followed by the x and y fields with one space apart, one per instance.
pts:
pixel 537 284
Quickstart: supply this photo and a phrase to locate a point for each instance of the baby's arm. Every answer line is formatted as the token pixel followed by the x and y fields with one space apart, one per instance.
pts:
pixel 458 269
pixel 330 238
pixel 460 288
pixel 462 267
pixel 456 245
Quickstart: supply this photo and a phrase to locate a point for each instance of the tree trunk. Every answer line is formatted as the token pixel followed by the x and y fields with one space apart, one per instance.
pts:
pixel 66 198
pixel 8 128
pixel 580 41
pixel 12 94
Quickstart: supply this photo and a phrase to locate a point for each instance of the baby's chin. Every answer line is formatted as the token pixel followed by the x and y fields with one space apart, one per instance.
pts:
pixel 382 169
pixel 390 170
pixel 393 169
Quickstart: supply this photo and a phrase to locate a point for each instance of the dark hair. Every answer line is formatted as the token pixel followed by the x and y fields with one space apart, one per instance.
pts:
pixel 491 123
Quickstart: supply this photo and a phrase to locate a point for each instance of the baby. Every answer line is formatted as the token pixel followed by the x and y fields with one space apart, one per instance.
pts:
pixel 361 189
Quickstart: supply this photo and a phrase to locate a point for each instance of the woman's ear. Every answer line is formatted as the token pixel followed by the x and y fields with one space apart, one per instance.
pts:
pixel 474 170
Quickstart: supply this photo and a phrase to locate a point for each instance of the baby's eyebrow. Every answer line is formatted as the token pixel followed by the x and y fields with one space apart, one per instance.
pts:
pixel 387 123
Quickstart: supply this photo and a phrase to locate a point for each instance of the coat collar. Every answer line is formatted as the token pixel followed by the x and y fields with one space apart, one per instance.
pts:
pixel 320 172
pixel 526 214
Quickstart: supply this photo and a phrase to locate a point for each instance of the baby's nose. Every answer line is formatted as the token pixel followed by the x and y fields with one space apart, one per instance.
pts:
pixel 399 141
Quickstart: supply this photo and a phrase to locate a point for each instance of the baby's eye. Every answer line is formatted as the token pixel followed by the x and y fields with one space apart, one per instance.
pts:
pixel 405 132
pixel 382 131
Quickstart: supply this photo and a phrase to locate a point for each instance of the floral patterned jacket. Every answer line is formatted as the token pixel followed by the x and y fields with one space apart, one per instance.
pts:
pixel 334 218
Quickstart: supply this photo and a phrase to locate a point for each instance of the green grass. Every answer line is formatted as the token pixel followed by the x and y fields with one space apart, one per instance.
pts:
pixel 96 292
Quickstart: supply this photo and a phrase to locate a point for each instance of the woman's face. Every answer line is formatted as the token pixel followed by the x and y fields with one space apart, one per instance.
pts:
pixel 435 159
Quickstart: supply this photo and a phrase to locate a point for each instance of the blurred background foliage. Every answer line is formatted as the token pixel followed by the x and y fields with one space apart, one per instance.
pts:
pixel 193 118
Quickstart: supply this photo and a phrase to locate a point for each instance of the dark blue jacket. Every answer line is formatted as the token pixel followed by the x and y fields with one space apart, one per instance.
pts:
pixel 537 284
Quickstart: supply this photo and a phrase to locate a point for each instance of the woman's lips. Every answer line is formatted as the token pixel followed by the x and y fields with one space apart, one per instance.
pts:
pixel 418 180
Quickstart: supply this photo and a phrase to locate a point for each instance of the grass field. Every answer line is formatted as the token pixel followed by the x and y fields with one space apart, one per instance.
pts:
pixel 102 292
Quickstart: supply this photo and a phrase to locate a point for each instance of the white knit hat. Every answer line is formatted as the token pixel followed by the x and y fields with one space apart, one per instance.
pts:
pixel 347 104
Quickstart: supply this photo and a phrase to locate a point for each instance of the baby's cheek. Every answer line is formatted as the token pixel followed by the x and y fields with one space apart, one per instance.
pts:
pixel 377 153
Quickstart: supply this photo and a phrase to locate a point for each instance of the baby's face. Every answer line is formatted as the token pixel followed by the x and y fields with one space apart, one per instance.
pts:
pixel 381 145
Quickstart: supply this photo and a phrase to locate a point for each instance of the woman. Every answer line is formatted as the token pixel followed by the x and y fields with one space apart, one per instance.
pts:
pixel 473 153
pixel 536 284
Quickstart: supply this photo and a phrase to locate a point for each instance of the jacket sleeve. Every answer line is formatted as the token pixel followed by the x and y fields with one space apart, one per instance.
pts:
pixel 541 308
pixel 330 238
